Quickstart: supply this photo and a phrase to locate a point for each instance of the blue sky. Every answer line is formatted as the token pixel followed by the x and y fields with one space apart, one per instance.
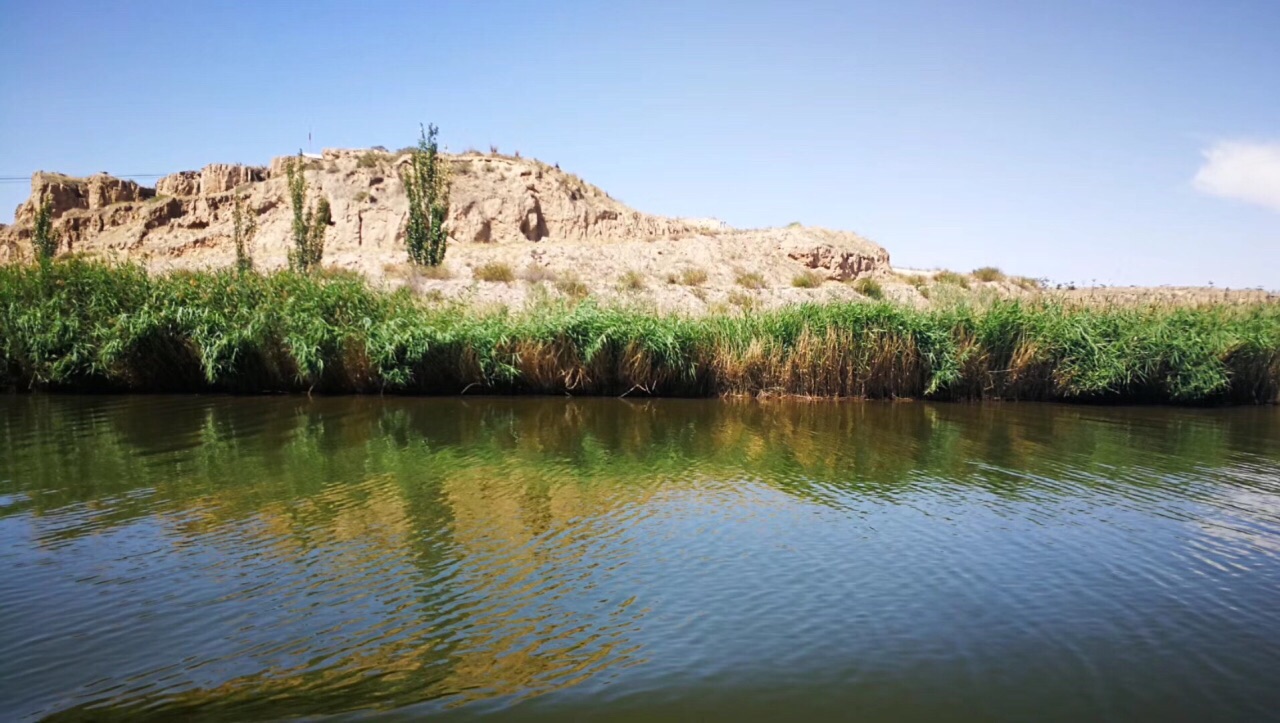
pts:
pixel 1134 142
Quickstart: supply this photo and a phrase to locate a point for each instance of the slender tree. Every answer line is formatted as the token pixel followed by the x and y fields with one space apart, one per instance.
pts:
pixel 44 240
pixel 309 224
pixel 427 184
pixel 244 226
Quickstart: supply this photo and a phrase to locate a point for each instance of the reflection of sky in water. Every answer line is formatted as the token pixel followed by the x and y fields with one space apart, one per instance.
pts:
pixel 259 558
pixel 1243 520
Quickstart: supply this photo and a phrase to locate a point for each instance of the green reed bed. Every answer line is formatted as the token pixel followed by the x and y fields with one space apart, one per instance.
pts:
pixel 81 325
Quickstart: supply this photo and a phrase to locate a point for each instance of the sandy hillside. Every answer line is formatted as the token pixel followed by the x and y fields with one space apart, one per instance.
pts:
pixel 554 233
pixel 520 230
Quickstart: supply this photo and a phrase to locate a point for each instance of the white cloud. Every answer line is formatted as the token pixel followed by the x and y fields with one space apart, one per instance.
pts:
pixel 1243 170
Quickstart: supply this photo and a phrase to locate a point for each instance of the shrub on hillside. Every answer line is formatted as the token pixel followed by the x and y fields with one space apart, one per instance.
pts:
pixel 495 272
pixel 988 273
pixel 750 280
pixel 869 288
pixel 951 277
pixel 631 281
pixel 806 280
pixel 691 276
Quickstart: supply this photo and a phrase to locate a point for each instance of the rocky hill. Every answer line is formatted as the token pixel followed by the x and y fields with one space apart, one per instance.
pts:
pixel 540 222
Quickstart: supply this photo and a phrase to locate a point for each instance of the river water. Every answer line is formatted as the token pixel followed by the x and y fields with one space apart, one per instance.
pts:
pixel 215 558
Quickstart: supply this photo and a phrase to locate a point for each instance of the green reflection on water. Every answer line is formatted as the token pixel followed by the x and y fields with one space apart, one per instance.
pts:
pixel 411 494
pixel 238 455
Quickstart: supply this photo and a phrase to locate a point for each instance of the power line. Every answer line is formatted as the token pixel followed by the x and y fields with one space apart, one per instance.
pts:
pixel 27 179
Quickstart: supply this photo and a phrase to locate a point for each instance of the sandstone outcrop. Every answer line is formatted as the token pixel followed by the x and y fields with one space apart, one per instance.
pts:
pixel 213 179
pixel 103 191
pixel 66 194
pixel 838 255
pixel 520 211
pixel 182 183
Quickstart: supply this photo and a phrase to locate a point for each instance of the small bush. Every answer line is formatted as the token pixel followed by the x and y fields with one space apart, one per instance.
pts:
pixel 438 273
pixel 691 276
pixel 869 288
pixel 916 280
pixel 742 300
pixel 370 159
pixel 534 273
pixel 495 272
pixel 988 273
pixel 570 285
pixel 631 281
pixel 1028 283
pixel 951 277
pixel 806 280
pixel 795 224
pixel 750 280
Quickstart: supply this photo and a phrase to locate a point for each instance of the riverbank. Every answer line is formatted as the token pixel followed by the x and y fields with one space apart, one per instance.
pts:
pixel 92 327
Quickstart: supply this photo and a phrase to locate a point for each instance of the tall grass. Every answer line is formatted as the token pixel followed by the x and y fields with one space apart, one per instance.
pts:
pixel 81 325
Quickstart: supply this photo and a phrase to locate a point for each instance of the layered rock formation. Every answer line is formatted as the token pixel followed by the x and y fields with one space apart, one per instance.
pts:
pixel 213 179
pixel 500 207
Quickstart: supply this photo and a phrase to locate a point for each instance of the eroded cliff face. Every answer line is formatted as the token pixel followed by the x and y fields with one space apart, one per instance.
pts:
pixel 521 205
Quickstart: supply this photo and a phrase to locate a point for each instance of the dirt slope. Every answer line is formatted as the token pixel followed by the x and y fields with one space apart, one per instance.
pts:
pixel 546 225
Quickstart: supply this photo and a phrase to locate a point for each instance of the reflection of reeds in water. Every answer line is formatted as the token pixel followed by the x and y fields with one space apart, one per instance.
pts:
pixel 238 455
pixel 89 326
pixel 467 526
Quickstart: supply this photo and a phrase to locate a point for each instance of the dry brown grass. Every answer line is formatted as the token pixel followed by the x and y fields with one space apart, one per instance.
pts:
pixel 914 280
pixel 743 300
pixel 372 159
pixel 952 278
pixel 572 286
pixel 438 273
pixel 690 276
pixel 806 280
pixel 750 280
pixel 631 281
pixel 826 363
pixel 869 288
pixel 988 274
pixel 494 272
pixel 537 273
pixel 414 271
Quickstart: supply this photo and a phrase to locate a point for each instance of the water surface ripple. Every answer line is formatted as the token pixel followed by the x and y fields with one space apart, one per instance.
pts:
pixel 209 558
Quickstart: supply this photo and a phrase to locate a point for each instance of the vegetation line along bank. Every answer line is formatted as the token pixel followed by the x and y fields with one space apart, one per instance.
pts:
pixel 73 324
